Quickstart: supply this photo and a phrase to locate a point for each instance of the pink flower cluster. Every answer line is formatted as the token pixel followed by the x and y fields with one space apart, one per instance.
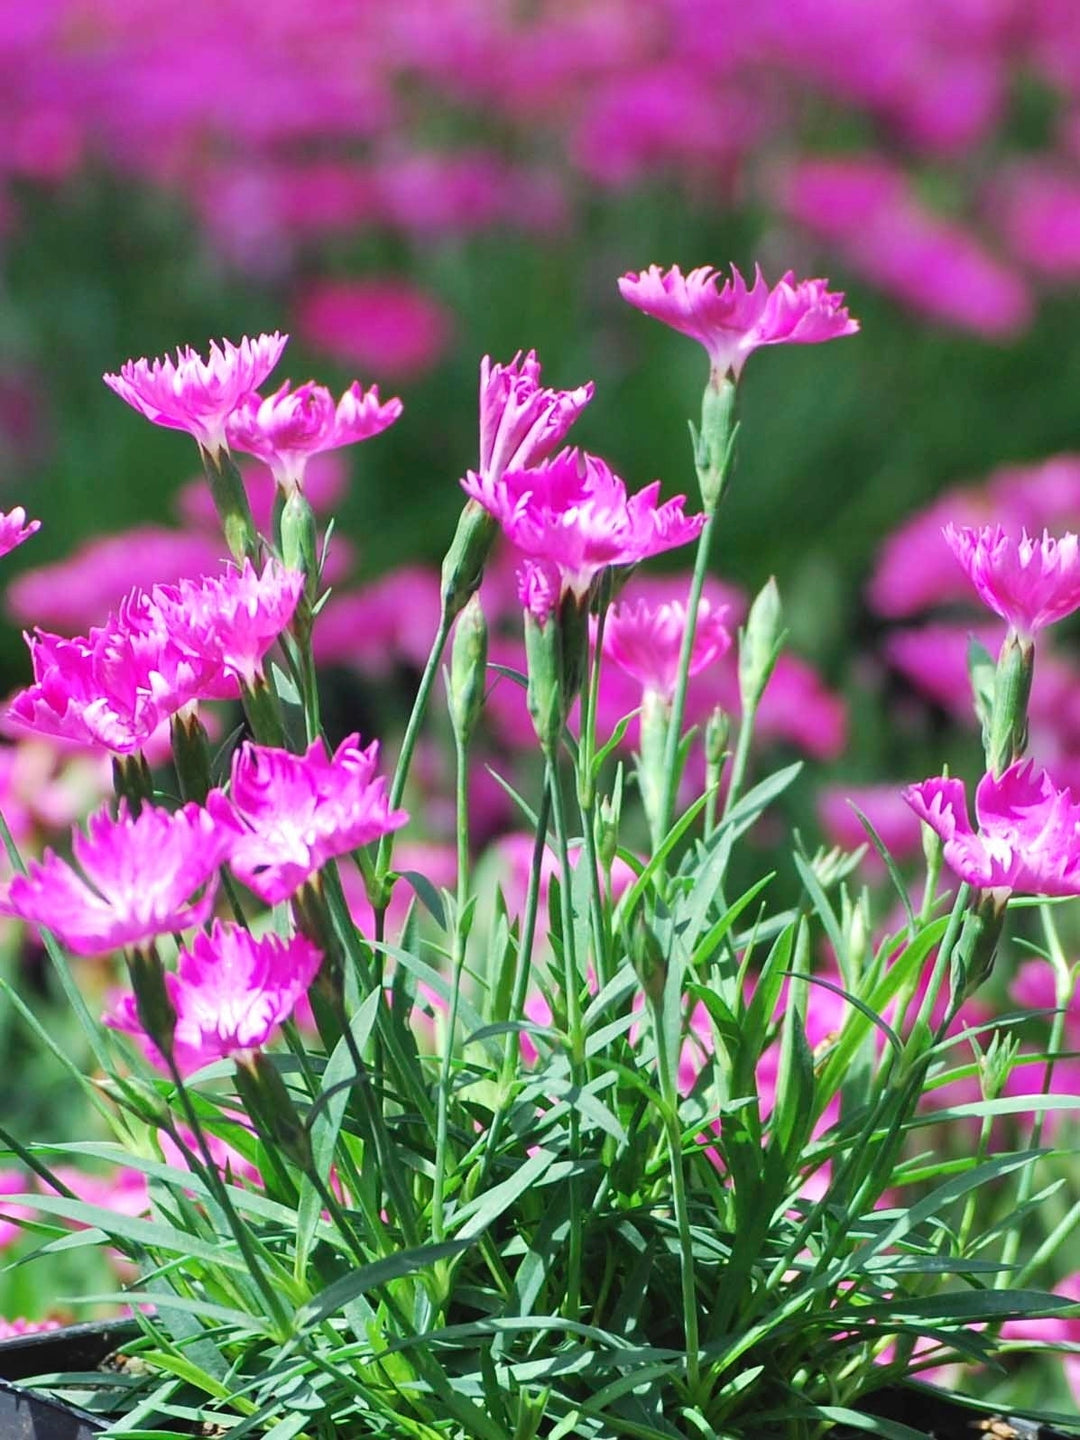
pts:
pixel 705 95
pixel 217 402
pixel 572 517
pixel 162 651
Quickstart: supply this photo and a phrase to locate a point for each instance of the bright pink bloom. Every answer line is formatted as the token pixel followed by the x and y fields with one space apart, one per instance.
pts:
pixel 301 810
pixel 137 878
pixel 574 513
pixel 732 321
pixel 288 427
pixel 230 992
pixel 197 395
pixel 521 422
pixel 115 687
pixel 1026 839
pixel 646 641
pixel 383 325
pixel 14 529
pixel 1029 583
pixel 230 621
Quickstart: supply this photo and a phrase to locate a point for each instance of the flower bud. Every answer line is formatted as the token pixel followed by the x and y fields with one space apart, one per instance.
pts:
pixel 649 960
pixel 1012 691
pixel 468 670
pixel 300 544
pixel 132 781
pixel 760 642
pixel 152 1004
pixel 463 566
pixel 655 719
pixel 191 755
pixel 714 444
pixel 996 1063
pixel 717 734
pixel 231 502
pixel 267 1100
pixel 609 814
pixel 543 693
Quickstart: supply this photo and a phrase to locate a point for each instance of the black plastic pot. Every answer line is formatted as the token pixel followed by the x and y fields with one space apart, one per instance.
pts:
pixel 934 1413
pixel 25 1415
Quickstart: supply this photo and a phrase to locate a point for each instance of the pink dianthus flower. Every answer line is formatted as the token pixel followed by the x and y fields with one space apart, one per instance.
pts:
pixel 230 621
pixel 574 513
pixel 230 992
pixel 522 422
pixel 194 394
pixel 646 642
pixel 116 686
pixel 288 427
pixel 298 811
pixel 136 878
pixel 733 320
pixel 14 529
pixel 1030 583
pixel 1026 840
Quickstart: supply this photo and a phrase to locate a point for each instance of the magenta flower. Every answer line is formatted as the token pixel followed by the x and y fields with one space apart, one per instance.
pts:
pixel 1027 836
pixel 732 320
pixel 194 394
pixel 136 878
pixel 289 426
pixel 228 622
pixel 521 423
pixel 645 641
pixel 116 686
pixel 14 529
pixel 1029 583
pixel 574 513
pixel 298 811
pixel 230 992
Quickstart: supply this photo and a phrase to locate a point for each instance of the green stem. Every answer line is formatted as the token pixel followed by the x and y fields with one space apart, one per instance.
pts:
pixel 408 744
pixel 586 791
pixel 669 1094
pixel 678 703
pixel 438 1219
pixel 572 987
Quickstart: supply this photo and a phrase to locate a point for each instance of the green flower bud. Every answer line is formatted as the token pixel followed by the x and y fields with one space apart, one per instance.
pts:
pixel 191 755
pixel 152 1004
pixel 655 719
pixel 760 643
pixel 714 444
pixel 268 1102
pixel 463 567
pixel 543 694
pixel 609 814
pixel 1012 691
pixel 300 544
pixel 132 781
pixel 649 961
pixel 468 670
pixel 231 502
pixel 995 1065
